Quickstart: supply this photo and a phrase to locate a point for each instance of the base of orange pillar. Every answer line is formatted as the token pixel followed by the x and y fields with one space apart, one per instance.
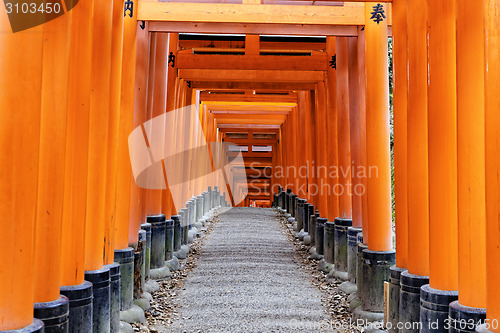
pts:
pixel 340 249
pixel 125 257
pixel 115 303
pixel 286 200
pixel 54 314
pixel 464 318
pixel 80 306
pixel 409 300
pixel 139 264
pixel 394 294
pixel 434 308
pixel 100 280
pixel 352 253
pixel 293 205
pixel 36 327
pixel 375 271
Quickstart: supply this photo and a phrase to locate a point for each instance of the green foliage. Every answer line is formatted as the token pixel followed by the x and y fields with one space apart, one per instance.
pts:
pixel 391 86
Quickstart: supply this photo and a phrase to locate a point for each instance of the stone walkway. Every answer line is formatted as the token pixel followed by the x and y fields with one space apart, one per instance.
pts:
pixel 246 280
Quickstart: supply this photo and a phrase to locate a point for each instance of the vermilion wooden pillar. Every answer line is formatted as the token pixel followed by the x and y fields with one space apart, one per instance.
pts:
pixel 98 135
pixel 344 148
pixel 442 95
pixel 377 134
pixel 492 138
pixel 20 96
pixel 322 167
pixel 400 105
pixel 124 171
pixel 287 140
pixel 113 131
pixel 362 125
pixel 417 141
pixel 168 206
pixel 295 140
pixel 277 172
pixel 310 124
pixel 356 126
pixel 49 206
pixel 137 206
pixel 331 128
pixel 471 159
pixel 157 104
pixel 302 174
pixel 77 140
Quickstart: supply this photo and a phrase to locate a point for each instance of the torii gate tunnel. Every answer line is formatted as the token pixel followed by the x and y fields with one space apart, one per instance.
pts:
pixel 382 118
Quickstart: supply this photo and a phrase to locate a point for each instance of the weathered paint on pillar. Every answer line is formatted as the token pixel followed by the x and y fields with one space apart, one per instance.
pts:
pixel 417 141
pixel 471 159
pixel 54 108
pixel 77 140
pixel 442 122
pixel 98 134
pixel 20 61
pixel 492 132
pixel 344 148
pixel 400 107
pixel 377 133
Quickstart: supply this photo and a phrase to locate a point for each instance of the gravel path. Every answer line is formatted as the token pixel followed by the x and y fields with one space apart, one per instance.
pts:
pixel 248 279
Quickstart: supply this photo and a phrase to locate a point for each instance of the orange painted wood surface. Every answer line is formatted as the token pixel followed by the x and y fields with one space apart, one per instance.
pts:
pixel 417 141
pixel 98 134
pixel 20 96
pixel 356 126
pixel 331 130
pixel 50 195
pixel 377 134
pixel 137 194
pixel 400 106
pixel 343 124
pixel 492 138
pixel 442 106
pixel 115 84
pixel 77 141
pixel 362 124
pixel 470 156
pixel 126 120
pixel 322 167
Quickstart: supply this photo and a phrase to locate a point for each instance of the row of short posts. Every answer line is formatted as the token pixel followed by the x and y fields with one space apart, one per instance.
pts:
pixel 118 294
pixel 413 306
pixel 338 247
pixel 412 300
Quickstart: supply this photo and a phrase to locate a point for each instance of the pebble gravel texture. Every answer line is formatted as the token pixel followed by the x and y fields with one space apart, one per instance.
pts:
pixel 247 280
pixel 248 273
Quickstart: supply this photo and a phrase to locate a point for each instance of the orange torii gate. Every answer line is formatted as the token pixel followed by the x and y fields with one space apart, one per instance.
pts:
pixel 73 89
